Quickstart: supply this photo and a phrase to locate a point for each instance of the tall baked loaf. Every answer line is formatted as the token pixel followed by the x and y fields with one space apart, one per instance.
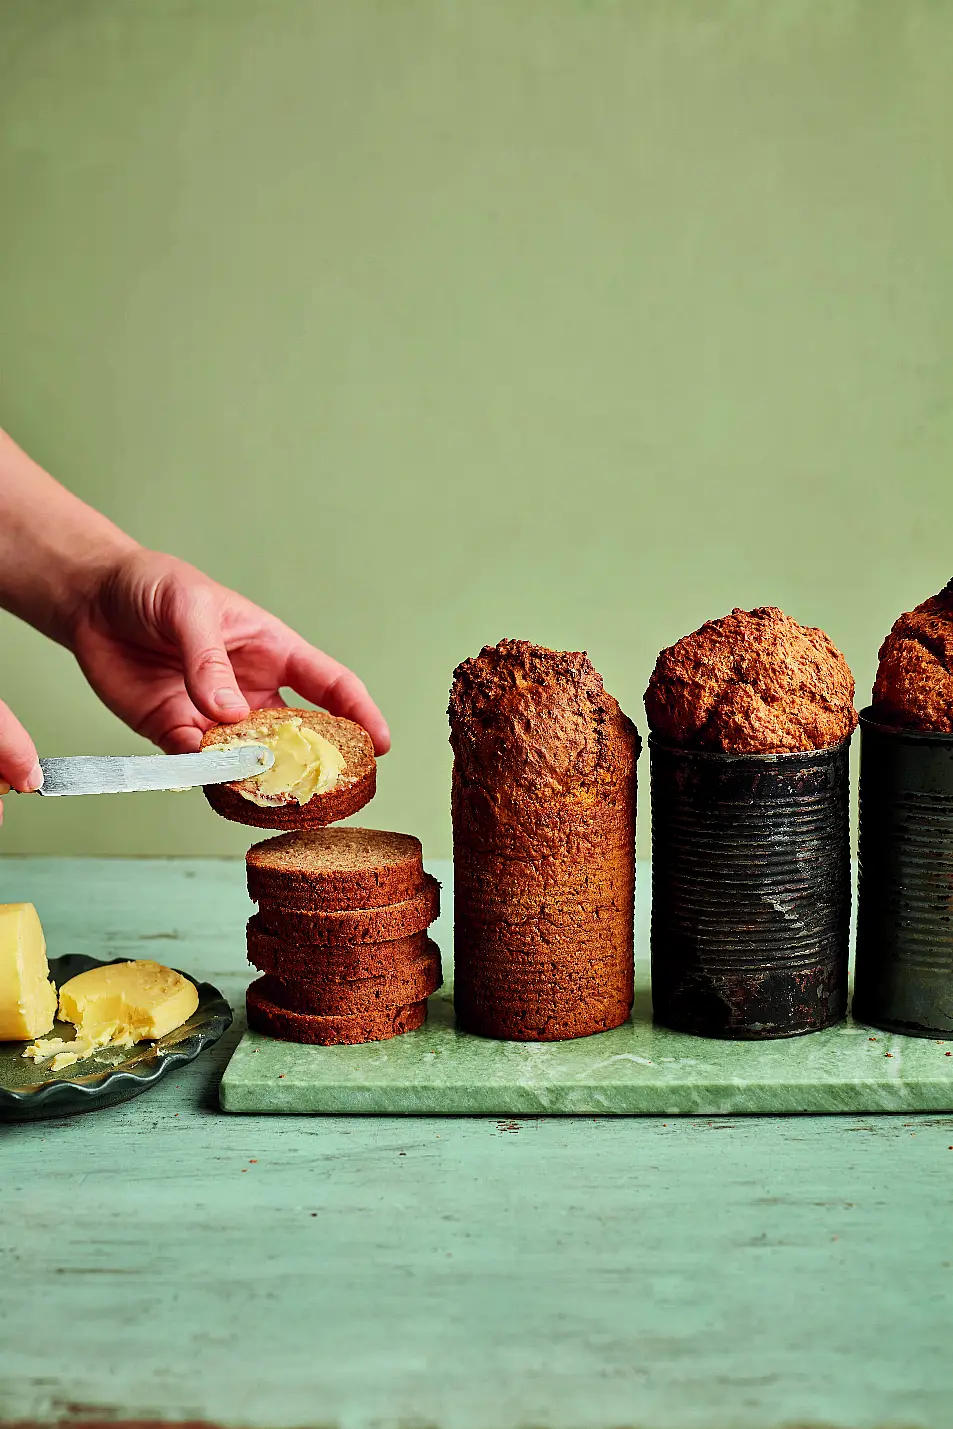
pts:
pixel 543 802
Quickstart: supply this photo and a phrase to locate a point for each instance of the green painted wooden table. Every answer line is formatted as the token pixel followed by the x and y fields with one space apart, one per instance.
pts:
pixel 164 1261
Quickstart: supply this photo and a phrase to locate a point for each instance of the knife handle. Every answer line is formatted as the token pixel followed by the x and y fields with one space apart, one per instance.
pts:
pixel 5 789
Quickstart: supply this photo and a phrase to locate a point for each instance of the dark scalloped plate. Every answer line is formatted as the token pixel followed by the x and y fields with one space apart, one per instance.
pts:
pixel 27 1095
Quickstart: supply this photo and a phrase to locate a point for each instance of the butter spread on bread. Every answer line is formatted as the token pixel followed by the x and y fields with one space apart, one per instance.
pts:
pixel 27 996
pixel 305 763
pixel 118 1005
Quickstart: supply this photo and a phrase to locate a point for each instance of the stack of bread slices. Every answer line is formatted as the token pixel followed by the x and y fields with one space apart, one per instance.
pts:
pixel 341 936
pixel 341 929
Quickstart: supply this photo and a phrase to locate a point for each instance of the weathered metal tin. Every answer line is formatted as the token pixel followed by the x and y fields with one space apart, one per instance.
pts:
pixel 750 891
pixel 903 974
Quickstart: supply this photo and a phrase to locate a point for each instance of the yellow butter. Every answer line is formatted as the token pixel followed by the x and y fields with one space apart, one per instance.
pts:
pixel 305 764
pixel 27 997
pixel 117 1006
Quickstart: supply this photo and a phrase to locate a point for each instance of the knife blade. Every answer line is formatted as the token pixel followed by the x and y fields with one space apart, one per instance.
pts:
pixel 139 773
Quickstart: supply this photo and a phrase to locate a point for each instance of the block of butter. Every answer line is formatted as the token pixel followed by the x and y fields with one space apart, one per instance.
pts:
pixel 117 1005
pixel 27 997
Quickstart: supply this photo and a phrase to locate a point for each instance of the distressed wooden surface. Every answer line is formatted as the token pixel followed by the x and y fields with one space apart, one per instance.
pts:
pixel 162 1260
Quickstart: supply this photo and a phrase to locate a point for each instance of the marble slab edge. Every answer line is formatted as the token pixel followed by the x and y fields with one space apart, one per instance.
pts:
pixel 687 1100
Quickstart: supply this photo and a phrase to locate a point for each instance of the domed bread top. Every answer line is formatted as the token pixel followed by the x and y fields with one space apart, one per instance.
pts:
pixel 539 719
pixel 324 770
pixel 753 682
pixel 914 685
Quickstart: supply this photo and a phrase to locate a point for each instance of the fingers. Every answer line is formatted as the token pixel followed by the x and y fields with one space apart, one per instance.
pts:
pixel 182 739
pixel 337 689
pixel 19 766
pixel 206 668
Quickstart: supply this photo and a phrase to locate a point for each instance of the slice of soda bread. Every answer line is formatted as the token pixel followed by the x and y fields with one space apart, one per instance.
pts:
pixel 324 770
pixel 333 870
pixel 311 963
pixel 352 997
pixel 266 1016
pixel 354 925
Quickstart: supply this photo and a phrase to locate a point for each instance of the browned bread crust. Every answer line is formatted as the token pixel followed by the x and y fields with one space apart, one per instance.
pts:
pixel 485 881
pixel 377 1026
pixel 515 1019
pixel 543 801
pixel 354 997
pixel 914 685
pixel 354 925
pixel 754 682
pixel 310 962
pixel 333 870
pixel 355 786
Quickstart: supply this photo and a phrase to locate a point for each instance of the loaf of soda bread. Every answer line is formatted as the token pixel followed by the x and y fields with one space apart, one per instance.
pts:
pixel 914 686
pixel 543 805
pixel 752 682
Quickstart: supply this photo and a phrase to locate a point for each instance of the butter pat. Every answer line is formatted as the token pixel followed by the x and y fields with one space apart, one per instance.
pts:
pixel 27 997
pixel 117 1006
pixel 305 764
pixel 134 1002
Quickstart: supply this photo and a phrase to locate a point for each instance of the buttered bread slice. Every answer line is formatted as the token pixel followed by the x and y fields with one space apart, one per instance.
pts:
pixel 324 770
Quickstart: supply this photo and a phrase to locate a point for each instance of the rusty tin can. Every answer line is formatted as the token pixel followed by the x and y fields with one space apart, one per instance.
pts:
pixel 751 891
pixel 903 973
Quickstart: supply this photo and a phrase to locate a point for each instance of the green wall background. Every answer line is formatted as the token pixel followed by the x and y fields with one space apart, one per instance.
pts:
pixel 427 323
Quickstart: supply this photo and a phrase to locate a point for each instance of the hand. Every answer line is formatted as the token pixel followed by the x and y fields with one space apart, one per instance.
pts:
pixel 19 767
pixel 171 652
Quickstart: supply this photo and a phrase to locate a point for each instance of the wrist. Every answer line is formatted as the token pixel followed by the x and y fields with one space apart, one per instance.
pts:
pixel 54 549
pixel 84 573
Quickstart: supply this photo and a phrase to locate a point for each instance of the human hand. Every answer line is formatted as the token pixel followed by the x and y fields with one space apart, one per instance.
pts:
pixel 19 767
pixel 171 652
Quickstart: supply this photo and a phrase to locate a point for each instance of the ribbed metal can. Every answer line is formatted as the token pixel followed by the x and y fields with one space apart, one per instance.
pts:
pixel 751 891
pixel 903 973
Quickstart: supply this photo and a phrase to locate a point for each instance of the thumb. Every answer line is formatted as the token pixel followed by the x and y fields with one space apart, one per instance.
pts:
pixel 206 668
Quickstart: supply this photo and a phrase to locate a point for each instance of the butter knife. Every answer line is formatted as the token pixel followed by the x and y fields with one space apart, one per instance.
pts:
pixel 139 773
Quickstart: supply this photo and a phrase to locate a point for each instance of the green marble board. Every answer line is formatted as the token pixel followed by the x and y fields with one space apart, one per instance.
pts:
pixel 637 1070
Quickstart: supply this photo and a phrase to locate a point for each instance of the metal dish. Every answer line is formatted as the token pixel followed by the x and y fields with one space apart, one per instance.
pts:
pixel 113 1075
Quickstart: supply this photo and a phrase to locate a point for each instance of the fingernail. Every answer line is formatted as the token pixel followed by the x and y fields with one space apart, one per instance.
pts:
pixel 229 700
pixel 35 778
